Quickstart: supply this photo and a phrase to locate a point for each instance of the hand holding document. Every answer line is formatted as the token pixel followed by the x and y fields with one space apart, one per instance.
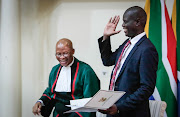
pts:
pixel 101 100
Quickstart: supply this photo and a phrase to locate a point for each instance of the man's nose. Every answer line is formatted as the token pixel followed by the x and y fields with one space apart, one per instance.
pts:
pixel 61 57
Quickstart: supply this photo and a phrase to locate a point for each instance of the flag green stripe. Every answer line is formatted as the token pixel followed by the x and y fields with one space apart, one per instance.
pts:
pixel 166 94
pixel 155 25
pixel 178 33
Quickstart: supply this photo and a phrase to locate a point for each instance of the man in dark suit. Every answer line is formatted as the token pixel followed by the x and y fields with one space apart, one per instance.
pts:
pixel 135 61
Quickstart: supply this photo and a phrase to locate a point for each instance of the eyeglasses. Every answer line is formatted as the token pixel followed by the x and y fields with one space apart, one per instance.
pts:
pixel 63 54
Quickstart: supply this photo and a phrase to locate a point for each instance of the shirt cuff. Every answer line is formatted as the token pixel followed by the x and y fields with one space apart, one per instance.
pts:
pixel 41 102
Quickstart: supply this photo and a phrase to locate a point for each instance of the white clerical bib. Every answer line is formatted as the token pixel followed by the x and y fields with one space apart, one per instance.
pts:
pixel 64 80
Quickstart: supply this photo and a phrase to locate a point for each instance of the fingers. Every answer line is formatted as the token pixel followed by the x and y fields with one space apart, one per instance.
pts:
pixel 103 111
pixel 110 20
pixel 116 32
pixel 37 108
pixel 34 110
pixel 112 110
pixel 112 113
pixel 115 20
pixel 110 28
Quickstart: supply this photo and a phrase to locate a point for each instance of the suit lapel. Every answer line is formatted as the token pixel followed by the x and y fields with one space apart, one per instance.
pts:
pixel 130 54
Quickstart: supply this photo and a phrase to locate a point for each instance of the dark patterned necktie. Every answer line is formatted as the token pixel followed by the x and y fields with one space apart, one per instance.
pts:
pixel 118 65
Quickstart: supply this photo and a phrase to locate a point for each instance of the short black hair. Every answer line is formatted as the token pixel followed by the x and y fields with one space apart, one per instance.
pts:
pixel 138 13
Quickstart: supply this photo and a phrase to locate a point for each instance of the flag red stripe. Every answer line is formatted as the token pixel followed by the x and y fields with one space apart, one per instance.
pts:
pixel 171 45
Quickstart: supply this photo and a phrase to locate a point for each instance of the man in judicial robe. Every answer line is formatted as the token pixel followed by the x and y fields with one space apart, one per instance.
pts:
pixel 69 80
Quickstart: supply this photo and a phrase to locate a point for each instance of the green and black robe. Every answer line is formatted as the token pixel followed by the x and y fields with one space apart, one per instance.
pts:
pixel 84 84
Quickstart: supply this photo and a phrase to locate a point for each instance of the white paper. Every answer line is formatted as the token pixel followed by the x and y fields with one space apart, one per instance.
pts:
pixel 101 100
pixel 82 109
pixel 78 103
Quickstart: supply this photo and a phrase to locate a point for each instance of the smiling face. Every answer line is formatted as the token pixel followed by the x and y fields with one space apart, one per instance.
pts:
pixel 64 52
pixel 134 20
pixel 129 25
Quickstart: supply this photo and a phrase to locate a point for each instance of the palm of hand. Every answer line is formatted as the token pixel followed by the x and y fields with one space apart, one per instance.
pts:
pixel 110 28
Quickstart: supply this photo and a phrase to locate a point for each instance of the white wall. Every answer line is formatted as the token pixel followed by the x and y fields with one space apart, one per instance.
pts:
pixel 43 22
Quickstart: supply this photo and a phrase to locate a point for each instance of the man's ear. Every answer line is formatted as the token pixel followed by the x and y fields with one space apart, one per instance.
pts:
pixel 138 22
pixel 73 51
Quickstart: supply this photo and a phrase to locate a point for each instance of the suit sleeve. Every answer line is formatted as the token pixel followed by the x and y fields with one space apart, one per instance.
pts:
pixel 108 57
pixel 147 70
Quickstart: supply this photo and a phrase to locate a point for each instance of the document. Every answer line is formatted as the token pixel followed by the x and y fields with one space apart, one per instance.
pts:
pixel 101 100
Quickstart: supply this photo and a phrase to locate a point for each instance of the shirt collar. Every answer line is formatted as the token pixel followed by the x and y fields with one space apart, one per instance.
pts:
pixel 135 39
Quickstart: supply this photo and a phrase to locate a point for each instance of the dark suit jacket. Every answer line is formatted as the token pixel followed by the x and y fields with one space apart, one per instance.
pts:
pixel 137 76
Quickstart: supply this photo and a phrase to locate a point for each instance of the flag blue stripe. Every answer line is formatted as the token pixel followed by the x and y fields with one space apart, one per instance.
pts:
pixel 151 98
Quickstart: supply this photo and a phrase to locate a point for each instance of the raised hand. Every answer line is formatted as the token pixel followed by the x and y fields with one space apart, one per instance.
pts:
pixel 110 28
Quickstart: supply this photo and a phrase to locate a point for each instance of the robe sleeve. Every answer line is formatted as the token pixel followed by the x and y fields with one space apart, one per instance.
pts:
pixel 91 83
pixel 46 97
pixel 90 88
